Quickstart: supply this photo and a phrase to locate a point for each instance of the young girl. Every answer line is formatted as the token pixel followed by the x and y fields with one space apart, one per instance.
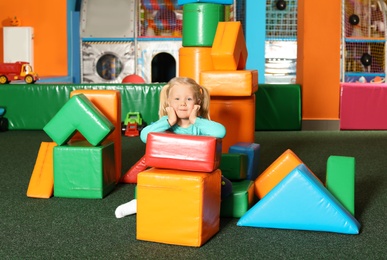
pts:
pixel 184 109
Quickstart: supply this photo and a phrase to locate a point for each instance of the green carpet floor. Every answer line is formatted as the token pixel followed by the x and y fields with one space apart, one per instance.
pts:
pixel 59 228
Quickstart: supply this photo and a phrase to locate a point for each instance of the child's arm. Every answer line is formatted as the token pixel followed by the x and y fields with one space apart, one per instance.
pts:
pixel 160 125
pixel 210 128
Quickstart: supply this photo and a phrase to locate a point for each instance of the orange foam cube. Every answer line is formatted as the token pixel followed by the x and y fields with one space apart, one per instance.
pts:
pixel 237 114
pixel 229 50
pixel 178 207
pixel 230 83
pixel 273 174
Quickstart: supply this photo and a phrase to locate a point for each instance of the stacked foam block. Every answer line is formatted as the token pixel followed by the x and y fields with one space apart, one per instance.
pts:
pixel 292 197
pixel 85 166
pixel 240 166
pixel 178 198
pixel 278 107
pixel 214 53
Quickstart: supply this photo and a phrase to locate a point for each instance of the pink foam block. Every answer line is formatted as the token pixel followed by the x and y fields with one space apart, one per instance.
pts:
pixel 183 152
pixel 363 106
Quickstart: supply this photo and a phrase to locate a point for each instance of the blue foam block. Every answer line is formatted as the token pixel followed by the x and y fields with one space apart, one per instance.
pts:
pixel 252 150
pixel 300 201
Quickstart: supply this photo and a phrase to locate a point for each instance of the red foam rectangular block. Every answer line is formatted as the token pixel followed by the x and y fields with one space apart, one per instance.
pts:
pixel 183 152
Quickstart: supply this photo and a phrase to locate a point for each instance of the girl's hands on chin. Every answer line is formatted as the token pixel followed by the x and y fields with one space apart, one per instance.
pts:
pixel 194 114
pixel 172 117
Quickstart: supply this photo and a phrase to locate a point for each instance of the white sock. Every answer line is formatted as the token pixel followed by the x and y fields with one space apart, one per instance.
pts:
pixel 126 209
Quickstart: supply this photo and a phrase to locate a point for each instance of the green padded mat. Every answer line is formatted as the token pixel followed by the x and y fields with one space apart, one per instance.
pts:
pixel 30 107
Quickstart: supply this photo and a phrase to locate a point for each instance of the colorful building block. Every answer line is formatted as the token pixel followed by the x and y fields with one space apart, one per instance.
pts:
pixel 41 184
pixel 363 106
pixel 273 174
pixel 131 175
pixel 224 2
pixel 234 166
pixel 79 114
pixel 183 152
pixel 230 83
pixel 237 114
pixel 252 151
pixel 240 201
pixel 200 23
pixel 193 60
pixel 229 50
pixel 84 171
pixel 178 207
pixel 340 180
pixel 109 103
pixel 278 107
pixel 300 201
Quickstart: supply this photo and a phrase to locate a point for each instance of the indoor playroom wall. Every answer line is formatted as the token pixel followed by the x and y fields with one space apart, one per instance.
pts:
pixel 318 61
pixel 48 19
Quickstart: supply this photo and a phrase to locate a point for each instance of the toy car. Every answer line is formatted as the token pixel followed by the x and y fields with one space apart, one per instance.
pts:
pixel 132 124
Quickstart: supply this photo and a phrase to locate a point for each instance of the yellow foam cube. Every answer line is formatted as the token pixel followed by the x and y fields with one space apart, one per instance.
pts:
pixel 230 83
pixel 229 50
pixel 178 207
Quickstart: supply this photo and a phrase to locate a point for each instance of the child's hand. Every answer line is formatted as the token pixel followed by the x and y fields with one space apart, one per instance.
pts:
pixel 172 117
pixel 194 114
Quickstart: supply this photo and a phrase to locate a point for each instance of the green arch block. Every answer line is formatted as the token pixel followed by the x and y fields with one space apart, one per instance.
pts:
pixel 78 114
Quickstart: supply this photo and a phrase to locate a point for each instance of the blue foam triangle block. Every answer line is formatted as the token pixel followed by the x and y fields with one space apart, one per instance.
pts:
pixel 300 201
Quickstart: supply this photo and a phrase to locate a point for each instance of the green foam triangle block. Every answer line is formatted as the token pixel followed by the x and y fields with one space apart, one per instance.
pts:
pixel 300 201
pixel 79 113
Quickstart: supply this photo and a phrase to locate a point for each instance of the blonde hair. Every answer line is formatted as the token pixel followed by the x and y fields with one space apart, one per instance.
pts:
pixel 202 95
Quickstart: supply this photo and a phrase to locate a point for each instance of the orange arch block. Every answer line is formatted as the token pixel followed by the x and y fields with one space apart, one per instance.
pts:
pixel 193 60
pixel 273 174
pixel 229 51
pixel 109 103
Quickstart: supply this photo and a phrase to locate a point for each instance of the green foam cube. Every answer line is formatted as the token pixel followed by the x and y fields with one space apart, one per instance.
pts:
pixel 240 201
pixel 234 166
pixel 82 170
pixel 278 107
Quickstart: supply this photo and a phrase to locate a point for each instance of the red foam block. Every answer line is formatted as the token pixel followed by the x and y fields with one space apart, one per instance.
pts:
pixel 131 175
pixel 183 152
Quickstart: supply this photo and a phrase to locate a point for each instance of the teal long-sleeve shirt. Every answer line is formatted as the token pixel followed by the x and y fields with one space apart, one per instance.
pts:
pixel 201 127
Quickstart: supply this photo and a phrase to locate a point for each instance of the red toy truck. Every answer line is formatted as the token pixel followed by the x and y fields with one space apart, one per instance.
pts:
pixel 19 70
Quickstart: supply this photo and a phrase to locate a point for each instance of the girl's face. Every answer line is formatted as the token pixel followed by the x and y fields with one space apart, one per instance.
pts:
pixel 182 99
